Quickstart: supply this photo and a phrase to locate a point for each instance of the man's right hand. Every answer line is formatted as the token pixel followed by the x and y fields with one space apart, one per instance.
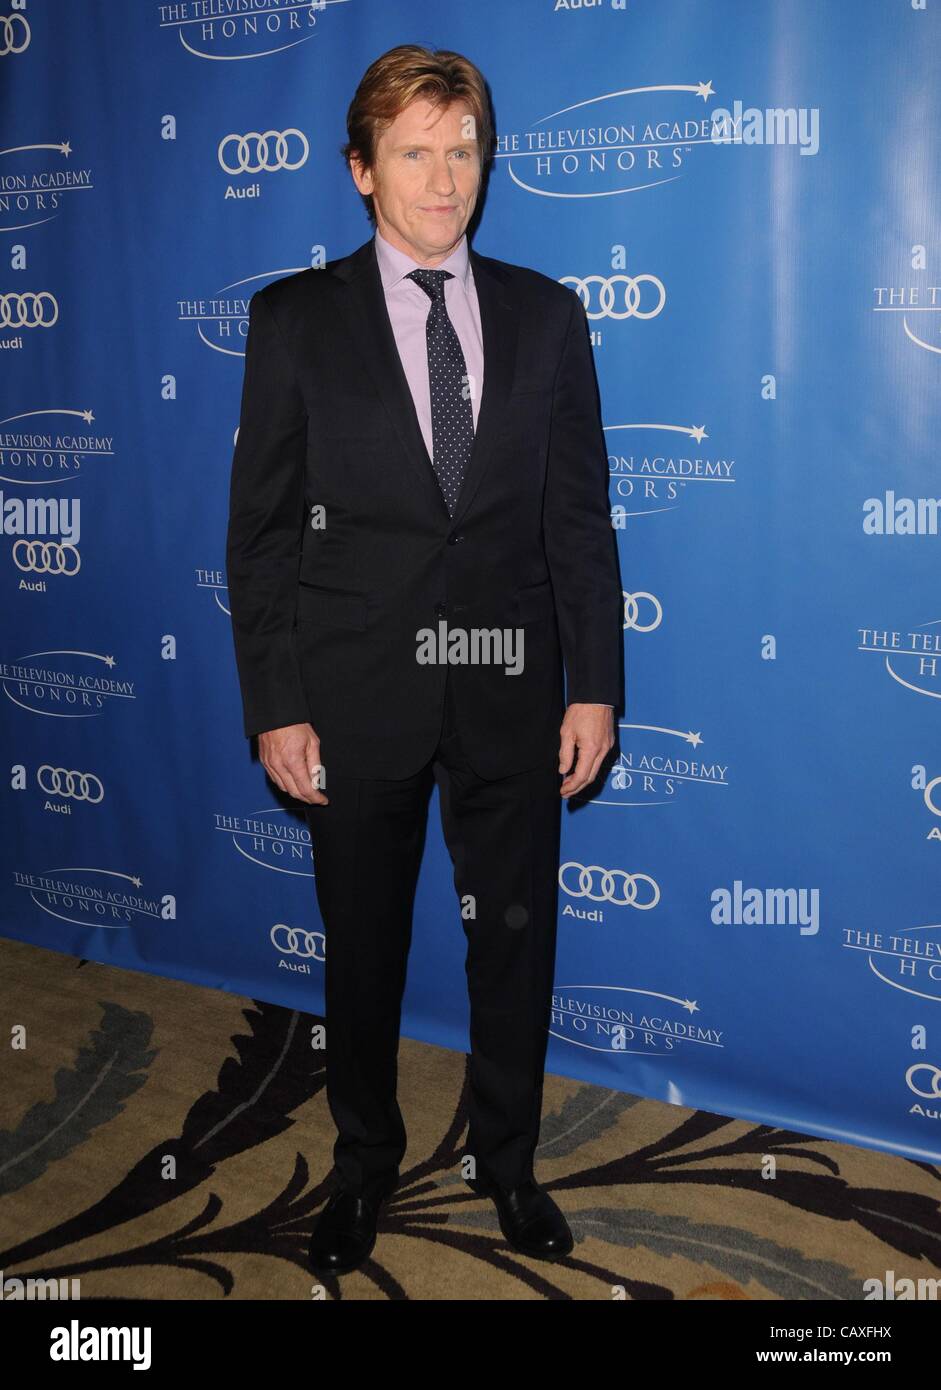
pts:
pixel 291 758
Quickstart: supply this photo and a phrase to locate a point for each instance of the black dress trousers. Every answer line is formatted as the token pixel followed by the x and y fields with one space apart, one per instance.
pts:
pixel 503 839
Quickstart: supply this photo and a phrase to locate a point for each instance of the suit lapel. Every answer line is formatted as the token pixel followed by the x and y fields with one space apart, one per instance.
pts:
pixel 371 329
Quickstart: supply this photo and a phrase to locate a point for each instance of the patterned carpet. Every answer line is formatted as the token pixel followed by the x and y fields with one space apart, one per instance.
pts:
pixel 164 1141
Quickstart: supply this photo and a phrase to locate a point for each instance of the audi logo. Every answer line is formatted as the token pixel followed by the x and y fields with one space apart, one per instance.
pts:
pixel 631 610
pixel 8 43
pixel 47 557
pixel 308 944
pixel 80 786
pixel 929 790
pixel 608 295
pixel 934 1080
pixel 29 310
pixel 602 885
pixel 275 141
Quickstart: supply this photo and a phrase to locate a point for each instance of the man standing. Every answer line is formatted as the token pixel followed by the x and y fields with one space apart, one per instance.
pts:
pixel 419 534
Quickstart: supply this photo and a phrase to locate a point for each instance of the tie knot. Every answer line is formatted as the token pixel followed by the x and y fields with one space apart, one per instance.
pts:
pixel 431 281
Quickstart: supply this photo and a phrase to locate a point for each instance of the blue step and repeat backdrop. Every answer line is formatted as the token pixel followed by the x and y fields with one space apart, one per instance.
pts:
pixel 746 194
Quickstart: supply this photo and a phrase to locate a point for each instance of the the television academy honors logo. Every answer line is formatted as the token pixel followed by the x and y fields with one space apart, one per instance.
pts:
pixel 611 1018
pixel 915 305
pixel 272 838
pixel 641 137
pixel 64 683
pixel 652 463
pixel 33 455
pixel 221 319
pixel 214 581
pixel 912 657
pixel 655 776
pixel 907 958
pixel 36 181
pixel 90 897
pixel 241 29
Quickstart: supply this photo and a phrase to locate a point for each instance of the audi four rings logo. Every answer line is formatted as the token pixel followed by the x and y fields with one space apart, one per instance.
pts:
pixel 29 310
pixel 929 791
pixel 602 885
pixel 47 557
pixel 933 1080
pixel 254 153
pixel 630 611
pixel 608 295
pixel 13 39
pixel 81 786
pixel 291 942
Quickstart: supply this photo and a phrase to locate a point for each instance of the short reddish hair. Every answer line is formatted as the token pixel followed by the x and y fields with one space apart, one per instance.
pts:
pixel 397 78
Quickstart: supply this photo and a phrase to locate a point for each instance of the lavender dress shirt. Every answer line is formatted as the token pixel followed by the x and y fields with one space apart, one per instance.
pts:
pixel 408 307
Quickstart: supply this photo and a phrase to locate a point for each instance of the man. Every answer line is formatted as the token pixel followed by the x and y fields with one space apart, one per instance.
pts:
pixel 420 459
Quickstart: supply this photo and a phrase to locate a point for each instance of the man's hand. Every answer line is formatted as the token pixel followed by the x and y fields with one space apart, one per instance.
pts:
pixel 590 729
pixel 291 758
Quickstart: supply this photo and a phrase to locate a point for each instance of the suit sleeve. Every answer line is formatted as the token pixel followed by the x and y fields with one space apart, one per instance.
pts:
pixel 581 547
pixel 266 527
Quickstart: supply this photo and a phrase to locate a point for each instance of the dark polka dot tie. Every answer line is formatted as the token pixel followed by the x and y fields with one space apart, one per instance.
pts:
pixel 452 414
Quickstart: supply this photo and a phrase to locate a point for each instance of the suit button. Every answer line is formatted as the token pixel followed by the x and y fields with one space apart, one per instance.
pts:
pixel 441 610
pixel 455 540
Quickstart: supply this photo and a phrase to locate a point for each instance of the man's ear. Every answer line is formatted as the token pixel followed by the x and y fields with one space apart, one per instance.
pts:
pixel 361 175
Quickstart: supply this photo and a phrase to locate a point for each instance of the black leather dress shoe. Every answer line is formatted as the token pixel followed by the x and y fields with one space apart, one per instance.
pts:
pixel 345 1232
pixel 529 1218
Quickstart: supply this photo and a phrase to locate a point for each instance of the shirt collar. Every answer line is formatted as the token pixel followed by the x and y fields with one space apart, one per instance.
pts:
pixel 394 264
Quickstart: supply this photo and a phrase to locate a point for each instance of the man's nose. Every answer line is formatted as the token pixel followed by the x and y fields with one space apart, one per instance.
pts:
pixel 441 176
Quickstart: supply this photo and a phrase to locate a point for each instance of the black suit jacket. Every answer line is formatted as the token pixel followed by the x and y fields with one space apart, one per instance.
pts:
pixel 326 619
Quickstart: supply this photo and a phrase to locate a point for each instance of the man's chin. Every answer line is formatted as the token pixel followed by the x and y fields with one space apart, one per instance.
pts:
pixel 443 231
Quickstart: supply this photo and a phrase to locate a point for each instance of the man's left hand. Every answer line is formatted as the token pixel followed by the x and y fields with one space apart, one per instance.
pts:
pixel 590 730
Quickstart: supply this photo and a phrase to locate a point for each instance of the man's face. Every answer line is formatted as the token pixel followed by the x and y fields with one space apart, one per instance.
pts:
pixel 425 179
